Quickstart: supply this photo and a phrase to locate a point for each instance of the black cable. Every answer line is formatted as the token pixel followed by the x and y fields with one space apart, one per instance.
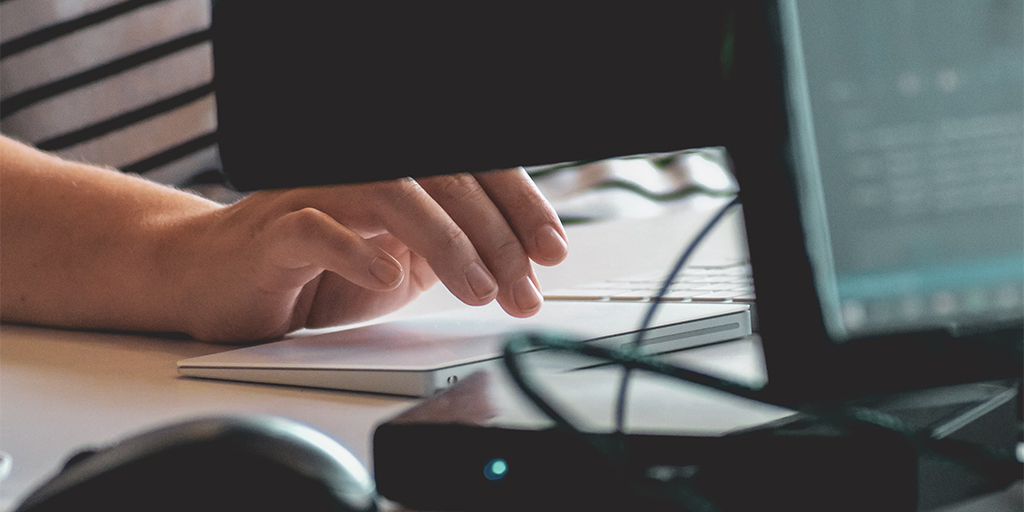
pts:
pixel 620 406
pixel 610 446
pixel 613 446
pixel 999 465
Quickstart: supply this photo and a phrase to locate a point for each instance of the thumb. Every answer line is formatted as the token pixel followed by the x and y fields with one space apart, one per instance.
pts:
pixel 301 243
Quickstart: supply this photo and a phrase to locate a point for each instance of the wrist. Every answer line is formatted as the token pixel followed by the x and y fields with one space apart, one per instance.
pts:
pixel 184 253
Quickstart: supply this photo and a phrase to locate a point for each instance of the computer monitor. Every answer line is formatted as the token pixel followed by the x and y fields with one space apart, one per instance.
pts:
pixel 881 153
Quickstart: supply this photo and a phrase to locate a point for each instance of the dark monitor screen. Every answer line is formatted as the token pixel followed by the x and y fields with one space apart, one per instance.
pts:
pixel 312 92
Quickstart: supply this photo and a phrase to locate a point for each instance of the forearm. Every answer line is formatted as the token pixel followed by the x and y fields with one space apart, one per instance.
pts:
pixel 91 248
pixel 84 247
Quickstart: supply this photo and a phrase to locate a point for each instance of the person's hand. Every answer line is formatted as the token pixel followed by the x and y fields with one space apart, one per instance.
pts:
pixel 85 247
pixel 314 257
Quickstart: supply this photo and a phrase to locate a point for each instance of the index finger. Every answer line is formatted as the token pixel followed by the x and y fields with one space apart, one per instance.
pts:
pixel 529 214
pixel 411 215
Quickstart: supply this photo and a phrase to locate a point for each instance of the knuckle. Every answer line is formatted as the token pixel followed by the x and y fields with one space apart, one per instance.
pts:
pixel 453 239
pixel 307 221
pixel 458 187
pixel 404 189
pixel 509 245
pixel 308 217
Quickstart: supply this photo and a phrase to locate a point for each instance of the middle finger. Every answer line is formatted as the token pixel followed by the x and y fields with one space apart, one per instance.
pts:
pixel 469 205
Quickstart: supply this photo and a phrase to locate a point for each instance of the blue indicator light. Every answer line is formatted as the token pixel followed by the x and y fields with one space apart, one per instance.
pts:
pixel 495 469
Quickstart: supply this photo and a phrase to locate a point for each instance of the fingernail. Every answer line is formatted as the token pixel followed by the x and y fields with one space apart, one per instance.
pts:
pixel 387 271
pixel 526 295
pixel 483 285
pixel 550 244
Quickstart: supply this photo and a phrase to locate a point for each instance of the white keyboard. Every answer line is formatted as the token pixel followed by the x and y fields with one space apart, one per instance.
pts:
pixel 725 283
